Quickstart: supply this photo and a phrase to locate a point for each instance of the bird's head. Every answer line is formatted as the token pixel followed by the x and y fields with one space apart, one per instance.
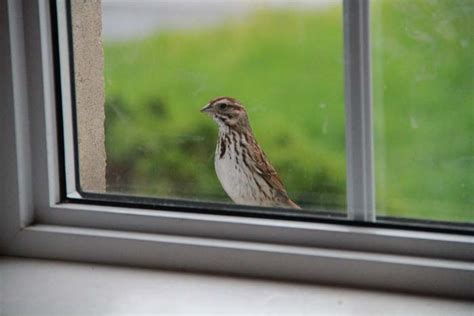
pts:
pixel 227 112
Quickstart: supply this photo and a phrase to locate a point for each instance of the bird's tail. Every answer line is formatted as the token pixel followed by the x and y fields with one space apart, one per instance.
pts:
pixel 293 204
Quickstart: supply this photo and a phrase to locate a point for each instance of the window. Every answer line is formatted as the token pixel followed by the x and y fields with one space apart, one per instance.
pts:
pixel 48 216
pixel 285 59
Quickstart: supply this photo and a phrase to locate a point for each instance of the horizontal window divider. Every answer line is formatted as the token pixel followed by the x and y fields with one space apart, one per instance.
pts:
pixel 351 268
pixel 332 235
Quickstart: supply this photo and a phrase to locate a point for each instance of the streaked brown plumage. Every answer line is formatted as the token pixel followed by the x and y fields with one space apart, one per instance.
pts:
pixel 241 165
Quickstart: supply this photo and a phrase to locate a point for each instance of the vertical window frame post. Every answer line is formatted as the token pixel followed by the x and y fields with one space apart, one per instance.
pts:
pixel 358 106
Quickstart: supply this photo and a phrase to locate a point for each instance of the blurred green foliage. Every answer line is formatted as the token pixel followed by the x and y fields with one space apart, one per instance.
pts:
pixel 423 78
pixel 287 68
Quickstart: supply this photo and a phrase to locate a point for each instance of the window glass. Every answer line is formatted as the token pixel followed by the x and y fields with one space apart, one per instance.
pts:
pixel 423 96
pixel 164 60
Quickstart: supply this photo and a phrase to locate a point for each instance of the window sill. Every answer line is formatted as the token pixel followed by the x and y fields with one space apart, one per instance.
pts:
pixel 119 290
pixel 411 274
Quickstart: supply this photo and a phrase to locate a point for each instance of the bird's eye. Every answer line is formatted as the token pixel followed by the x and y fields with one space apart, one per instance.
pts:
pixel 223 106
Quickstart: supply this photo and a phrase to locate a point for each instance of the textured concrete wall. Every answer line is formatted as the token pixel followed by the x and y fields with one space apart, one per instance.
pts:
pixel 89 79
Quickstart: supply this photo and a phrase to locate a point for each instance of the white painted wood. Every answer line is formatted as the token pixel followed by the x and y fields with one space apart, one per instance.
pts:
pixel 308 264
pixel 16 197
pixel 37 287
pixel 405 242
pixel 358 99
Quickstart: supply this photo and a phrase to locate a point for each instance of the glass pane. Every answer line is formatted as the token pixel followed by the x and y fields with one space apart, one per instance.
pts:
pixel 423 78
pixel 165 60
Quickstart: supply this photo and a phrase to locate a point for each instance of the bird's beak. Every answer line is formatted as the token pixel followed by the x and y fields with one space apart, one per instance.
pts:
pixel 206 109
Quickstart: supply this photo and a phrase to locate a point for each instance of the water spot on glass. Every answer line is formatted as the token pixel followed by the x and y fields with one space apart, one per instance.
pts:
pixel 446 29
pixel 413 122
pixel 418 35
pixel 425 74
pixel 325 126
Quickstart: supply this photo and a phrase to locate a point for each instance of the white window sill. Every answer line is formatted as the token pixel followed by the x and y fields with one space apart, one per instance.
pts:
pixel 44 287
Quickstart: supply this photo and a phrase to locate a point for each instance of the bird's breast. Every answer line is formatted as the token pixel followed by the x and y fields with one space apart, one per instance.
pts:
pixel 234 175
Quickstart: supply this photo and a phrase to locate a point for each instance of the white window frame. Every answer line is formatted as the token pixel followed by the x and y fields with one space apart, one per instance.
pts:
pixel 34 222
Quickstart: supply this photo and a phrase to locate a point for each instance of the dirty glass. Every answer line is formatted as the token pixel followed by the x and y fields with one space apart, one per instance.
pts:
pixel 423 98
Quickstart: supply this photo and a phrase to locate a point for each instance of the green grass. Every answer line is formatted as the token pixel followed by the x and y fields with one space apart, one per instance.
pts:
pixel 287 68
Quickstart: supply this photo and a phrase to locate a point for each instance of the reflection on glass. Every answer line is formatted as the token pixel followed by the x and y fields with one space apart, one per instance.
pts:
pixel 424 108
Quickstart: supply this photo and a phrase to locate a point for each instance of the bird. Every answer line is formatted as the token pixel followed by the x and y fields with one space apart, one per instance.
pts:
pixel 244 171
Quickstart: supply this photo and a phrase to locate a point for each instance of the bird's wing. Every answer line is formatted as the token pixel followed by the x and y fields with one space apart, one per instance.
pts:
pixel 267 172
pixel 263 167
